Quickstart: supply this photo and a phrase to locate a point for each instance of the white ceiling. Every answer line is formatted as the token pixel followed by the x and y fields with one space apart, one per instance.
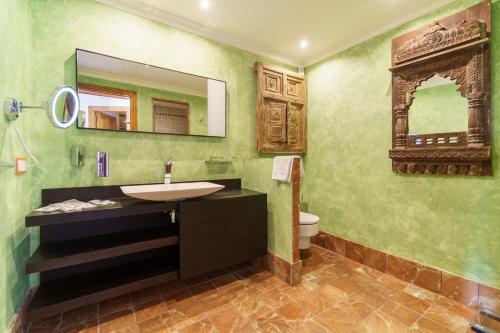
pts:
pixel 275 27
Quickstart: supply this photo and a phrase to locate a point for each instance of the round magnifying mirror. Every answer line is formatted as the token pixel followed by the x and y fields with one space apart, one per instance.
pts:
pixel 64 107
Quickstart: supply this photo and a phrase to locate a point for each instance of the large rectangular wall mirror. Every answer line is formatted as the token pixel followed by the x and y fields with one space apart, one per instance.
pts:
pixel 123 95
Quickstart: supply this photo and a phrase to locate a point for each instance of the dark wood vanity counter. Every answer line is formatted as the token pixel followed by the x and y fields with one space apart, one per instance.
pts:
pixel 126 206
pixel 94 254
pixel 228 194
pixel 87 193
pixel 123 207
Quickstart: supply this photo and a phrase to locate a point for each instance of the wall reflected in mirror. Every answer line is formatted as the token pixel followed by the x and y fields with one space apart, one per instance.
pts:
pixel 64 107
pixel 438 107
pixel 123 95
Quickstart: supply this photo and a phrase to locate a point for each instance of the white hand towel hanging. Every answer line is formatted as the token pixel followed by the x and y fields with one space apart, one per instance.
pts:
pixel 282 168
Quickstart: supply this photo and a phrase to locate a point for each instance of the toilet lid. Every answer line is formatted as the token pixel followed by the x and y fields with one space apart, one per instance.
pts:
pixel 306 218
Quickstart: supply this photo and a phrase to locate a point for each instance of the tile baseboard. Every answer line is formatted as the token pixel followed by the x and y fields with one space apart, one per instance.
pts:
pixel 284 270
pixel 467 292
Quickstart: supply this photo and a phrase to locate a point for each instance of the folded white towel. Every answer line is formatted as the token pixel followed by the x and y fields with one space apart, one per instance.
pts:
pixel 73 205
pixel 102 202
pixel 282 168
pixel 66 206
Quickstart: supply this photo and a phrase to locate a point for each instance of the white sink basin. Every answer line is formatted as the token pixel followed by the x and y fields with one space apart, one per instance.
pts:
pixel 166 192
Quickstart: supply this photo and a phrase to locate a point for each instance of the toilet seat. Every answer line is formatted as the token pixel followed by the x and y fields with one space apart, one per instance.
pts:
pixel 306 218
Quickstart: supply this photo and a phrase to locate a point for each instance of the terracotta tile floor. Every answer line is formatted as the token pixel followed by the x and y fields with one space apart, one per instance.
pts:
pixel 336 295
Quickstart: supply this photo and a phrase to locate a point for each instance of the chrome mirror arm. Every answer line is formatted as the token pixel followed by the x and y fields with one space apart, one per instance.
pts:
pixel 12 108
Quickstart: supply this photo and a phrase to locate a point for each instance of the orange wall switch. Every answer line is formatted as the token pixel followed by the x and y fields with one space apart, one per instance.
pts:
pixel 20 166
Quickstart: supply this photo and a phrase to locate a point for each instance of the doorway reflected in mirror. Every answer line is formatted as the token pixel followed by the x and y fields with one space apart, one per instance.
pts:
pixel 124 95
pixel 108 108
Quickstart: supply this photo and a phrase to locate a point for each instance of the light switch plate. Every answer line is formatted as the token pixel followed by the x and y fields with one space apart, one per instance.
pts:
pixel 20 166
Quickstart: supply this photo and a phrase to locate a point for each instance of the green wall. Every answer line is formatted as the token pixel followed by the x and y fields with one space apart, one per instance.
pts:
pixel 447 222
pixel 15 192
pixel 438 109
pixel 35 68
pixel 198 106
pixel 256 175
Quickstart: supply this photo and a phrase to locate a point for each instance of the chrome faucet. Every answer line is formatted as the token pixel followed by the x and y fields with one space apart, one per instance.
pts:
pixel 168 171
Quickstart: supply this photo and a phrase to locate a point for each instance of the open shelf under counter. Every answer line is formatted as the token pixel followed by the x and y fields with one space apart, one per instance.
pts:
pixel 72 292
pixel 78 251
pixel 87 256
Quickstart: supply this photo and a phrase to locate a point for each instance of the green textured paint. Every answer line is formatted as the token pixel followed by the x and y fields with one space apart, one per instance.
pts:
pixel 139 157
pixel 447 222
pixel 135 157
pixel 33 73
pixel 438 109
pixel 15 191
pixel 198 106
pixel 256 175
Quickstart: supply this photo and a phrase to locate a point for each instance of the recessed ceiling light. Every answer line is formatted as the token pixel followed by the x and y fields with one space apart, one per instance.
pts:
pixel 205 4
pixel 304 44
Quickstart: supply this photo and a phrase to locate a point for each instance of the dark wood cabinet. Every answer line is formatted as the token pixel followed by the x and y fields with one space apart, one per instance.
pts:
pixel 215 234
pixel 87 256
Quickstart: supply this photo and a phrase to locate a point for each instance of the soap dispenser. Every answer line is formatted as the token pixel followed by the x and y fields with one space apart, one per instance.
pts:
pixel 102 164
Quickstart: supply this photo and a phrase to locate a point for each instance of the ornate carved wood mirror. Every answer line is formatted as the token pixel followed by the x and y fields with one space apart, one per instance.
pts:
pixel 451 56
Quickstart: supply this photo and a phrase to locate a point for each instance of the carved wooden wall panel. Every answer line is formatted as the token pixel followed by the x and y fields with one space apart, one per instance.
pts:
pixel 275 121
pixel 281 110
pixel 295 129
pixel 273 82
pixel 295 87
pixel 456 47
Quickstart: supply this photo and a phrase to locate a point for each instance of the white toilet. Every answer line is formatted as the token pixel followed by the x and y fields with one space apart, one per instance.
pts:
pixel 309 226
